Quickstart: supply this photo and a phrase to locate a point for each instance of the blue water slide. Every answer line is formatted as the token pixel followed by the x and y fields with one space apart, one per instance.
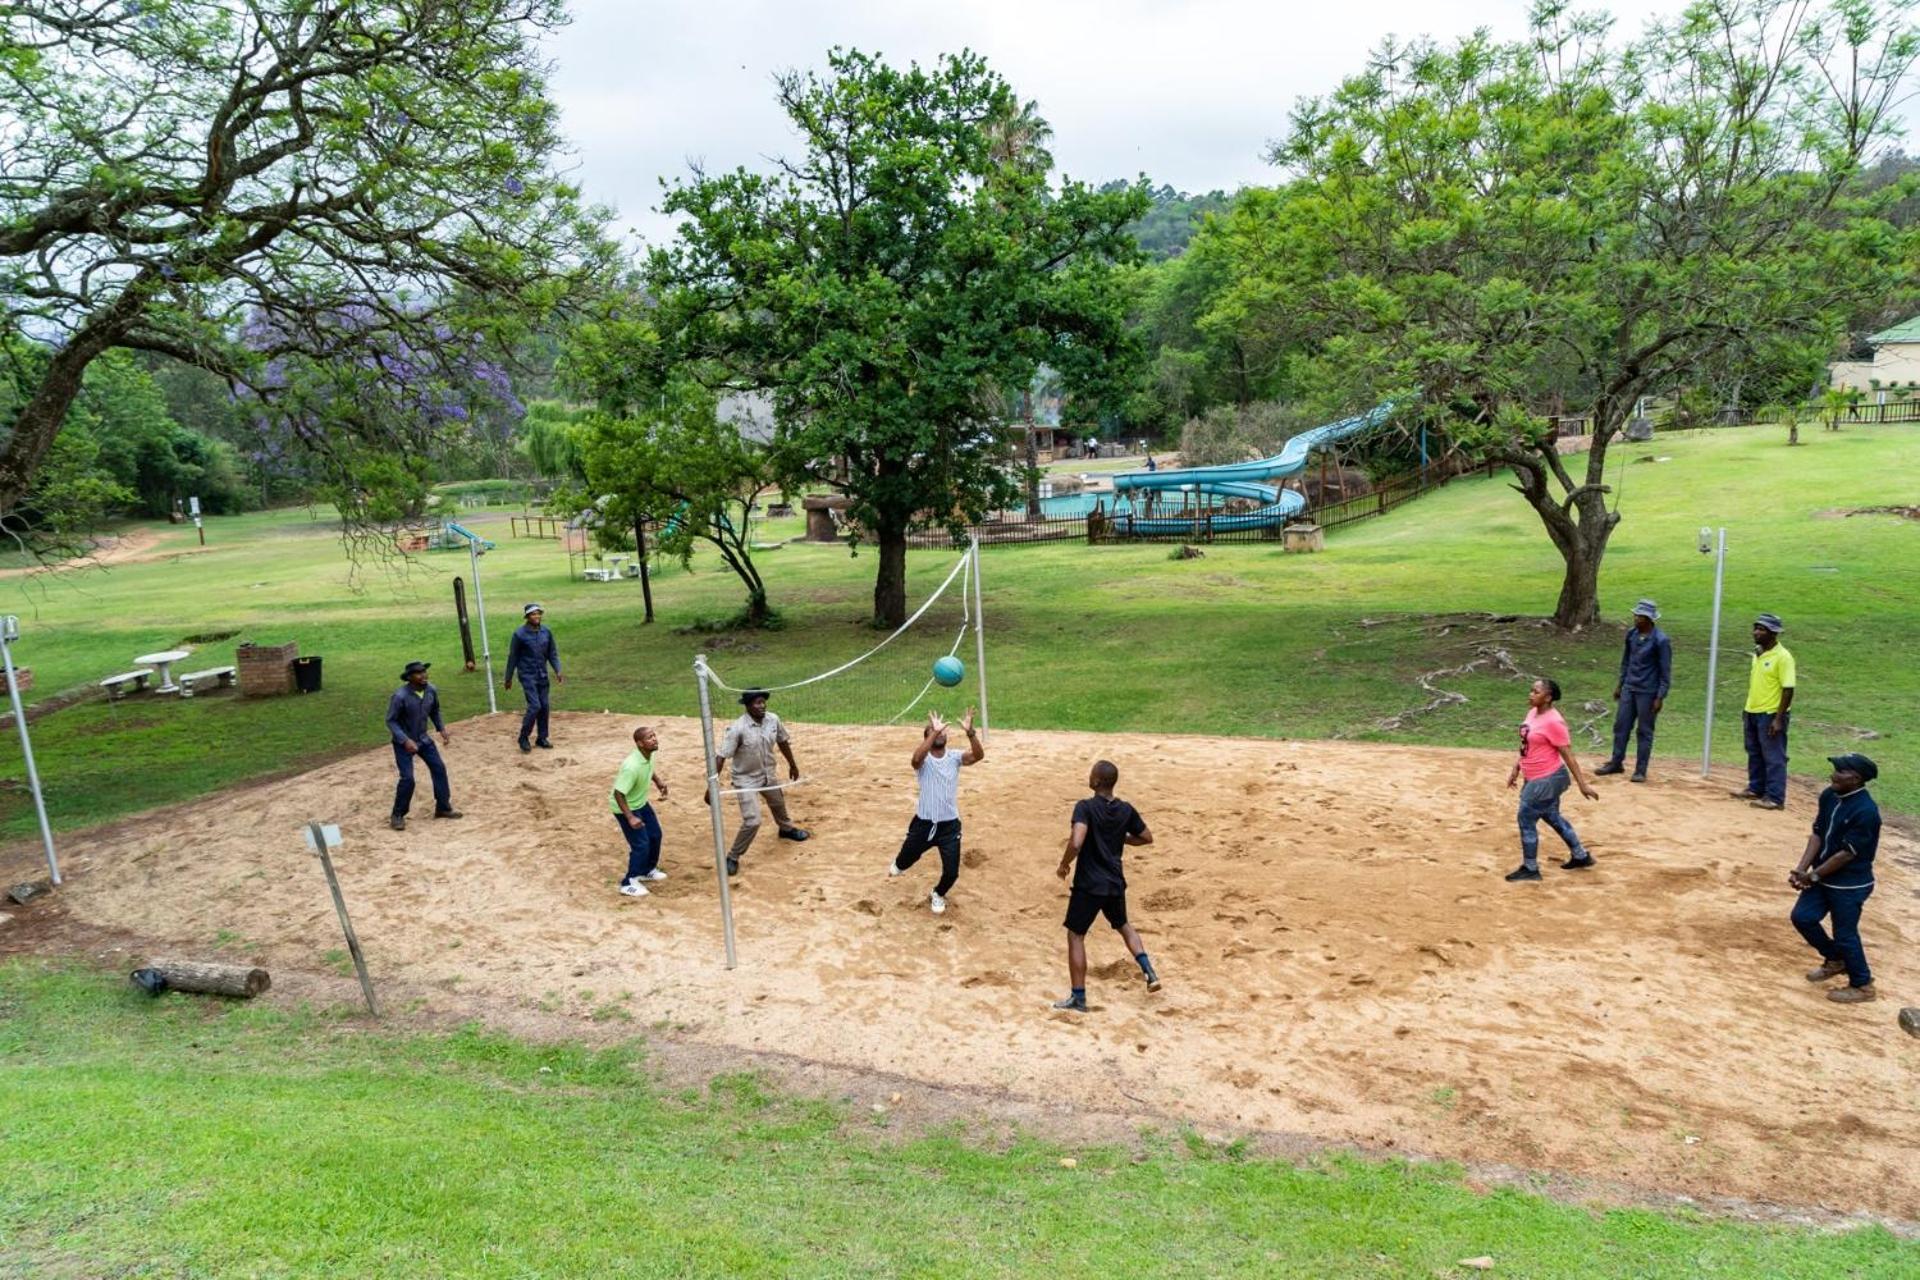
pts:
pixel 1239 480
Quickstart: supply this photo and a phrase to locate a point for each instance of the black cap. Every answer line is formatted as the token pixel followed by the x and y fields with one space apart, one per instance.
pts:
pixel 1854 762
pixel 413 667
pixel 751 694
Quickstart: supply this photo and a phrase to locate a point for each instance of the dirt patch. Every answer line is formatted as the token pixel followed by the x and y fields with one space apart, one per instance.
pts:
pixel 129 548
pixel 1334 927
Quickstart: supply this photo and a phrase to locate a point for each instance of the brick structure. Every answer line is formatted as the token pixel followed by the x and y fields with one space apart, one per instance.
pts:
pixel 265 670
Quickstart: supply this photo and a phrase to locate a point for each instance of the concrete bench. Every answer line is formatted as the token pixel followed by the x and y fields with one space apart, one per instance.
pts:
pixel 116 686
pixel 597 575
pixel 222 675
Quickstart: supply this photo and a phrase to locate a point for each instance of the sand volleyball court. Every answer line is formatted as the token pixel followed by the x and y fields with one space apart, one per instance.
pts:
pixel 1341 956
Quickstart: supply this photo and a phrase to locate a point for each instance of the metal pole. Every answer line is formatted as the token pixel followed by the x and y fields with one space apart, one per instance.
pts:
pixel 1713 656
pixel 979 642
pixel 480 601
pixel 318 834
pixel 713 806
pixel 7 631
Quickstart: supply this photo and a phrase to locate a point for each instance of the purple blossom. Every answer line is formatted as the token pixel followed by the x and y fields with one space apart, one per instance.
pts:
pixel 514 186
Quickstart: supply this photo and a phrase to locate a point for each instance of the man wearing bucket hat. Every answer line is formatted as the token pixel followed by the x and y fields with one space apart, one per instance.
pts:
pixel 750 743
pixel 413 708
pixel 532 650
pixel 1835 877
pixel 1646 673
pixel 1769 695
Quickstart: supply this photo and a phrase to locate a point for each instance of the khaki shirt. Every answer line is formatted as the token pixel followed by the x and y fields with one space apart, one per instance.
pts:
pixel 751 746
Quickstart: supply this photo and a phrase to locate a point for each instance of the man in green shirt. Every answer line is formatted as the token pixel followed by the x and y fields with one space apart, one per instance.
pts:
pixel 637 824
pixel 1770 684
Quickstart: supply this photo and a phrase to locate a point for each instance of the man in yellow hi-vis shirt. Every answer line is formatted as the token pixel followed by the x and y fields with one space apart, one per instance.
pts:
pixel 1769 695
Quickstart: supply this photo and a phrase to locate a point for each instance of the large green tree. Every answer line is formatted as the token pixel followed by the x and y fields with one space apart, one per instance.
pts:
pixel 886 283
pixel 1496 226
pixel 350 179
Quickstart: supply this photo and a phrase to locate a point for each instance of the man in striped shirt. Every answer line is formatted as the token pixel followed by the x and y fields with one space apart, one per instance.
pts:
pixel 936 818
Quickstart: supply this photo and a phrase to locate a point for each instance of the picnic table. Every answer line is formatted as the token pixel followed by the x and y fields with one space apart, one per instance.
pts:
pixel 164 660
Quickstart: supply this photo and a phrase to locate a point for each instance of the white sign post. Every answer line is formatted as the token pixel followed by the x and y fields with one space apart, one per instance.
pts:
pixel 10 632
pixel 320 838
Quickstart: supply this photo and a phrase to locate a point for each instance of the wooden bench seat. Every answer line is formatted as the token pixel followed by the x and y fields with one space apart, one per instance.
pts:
pixel 116 686
pixel 223 675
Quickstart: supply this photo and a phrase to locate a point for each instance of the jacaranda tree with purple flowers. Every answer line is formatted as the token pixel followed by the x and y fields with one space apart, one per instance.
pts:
pixel 342 207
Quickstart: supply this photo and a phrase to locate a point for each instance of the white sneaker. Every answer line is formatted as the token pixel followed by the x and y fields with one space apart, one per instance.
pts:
pixel 634 889
pixel 655 874
pixel 939 904
pixel 893 868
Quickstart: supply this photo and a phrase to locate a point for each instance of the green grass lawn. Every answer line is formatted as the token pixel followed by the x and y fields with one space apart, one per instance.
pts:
pixel 1247 640
pixel 186 1138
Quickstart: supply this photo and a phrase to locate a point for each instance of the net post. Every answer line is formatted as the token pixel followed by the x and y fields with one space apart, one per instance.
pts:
pixel 707 767
pixel 979 638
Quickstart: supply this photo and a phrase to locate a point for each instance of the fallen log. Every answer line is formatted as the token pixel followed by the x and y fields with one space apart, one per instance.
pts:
pixel 243 981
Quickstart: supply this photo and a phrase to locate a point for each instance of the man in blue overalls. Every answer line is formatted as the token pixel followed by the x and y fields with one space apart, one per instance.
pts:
pixel 532 651
pixel 413 709
pixel 1646 672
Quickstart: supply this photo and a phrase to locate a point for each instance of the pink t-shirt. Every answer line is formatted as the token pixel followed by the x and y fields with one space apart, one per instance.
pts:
pixel 1542 734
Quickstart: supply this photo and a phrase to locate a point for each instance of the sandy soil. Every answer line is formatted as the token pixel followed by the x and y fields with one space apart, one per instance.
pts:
pixel 1341 956
pixel 132 548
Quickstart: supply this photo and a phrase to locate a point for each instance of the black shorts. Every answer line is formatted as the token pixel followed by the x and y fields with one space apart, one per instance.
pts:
pixel 1082 907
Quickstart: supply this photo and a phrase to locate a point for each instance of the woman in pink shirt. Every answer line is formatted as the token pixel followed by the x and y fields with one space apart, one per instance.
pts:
pixel 1547 763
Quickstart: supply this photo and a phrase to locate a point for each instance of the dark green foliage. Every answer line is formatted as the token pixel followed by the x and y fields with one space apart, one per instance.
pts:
pixel 889 282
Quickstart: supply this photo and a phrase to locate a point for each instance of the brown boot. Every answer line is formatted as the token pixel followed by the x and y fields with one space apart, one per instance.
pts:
pixel 1827 969
pixel 1853 995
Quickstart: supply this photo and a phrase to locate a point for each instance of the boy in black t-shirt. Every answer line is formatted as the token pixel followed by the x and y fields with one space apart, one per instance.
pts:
pixel 1102 827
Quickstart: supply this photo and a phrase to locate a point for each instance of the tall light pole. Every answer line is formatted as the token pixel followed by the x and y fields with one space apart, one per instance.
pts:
pixel 1707 545
pixel 9 632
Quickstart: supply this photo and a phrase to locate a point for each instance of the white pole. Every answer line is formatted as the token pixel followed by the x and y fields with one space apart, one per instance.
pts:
pixel 9 630
pixel 480 602
pixel 713 807
pixel 979 642
pixel 1713 656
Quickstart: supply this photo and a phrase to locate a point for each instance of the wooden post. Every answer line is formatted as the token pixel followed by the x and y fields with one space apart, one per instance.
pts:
pixel 239 980
pixel 646 583
pixel 460 612
pixel 317 834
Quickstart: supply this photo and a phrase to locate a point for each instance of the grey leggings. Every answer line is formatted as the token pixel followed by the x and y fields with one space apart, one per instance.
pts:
pixel 1540 799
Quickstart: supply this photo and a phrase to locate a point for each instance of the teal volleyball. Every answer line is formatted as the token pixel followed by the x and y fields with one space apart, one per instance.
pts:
pixel 949 671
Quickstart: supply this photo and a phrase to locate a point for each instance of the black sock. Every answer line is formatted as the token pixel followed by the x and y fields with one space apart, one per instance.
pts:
pixel 1146 965
pixel 1080 993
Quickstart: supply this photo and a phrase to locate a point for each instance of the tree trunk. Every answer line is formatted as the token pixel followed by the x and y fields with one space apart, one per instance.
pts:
pixel 890 588
pixel 40 418
pixel 1579 604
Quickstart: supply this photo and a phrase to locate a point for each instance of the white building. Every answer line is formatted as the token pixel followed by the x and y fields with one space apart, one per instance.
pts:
pixel 1895 363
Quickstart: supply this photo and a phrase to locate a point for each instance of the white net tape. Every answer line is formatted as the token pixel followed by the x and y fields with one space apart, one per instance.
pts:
pixel 884 685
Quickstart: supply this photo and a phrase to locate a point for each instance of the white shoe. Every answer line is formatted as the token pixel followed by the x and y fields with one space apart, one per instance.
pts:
pixel 939 904
pixel 634 889
pixel 655 874
pixel 893 868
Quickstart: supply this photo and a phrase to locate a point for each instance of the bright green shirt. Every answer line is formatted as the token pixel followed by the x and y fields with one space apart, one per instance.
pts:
pixel 1772 672
pixel 635 776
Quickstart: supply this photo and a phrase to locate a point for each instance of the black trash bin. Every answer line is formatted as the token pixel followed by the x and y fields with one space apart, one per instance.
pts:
pixel 306 675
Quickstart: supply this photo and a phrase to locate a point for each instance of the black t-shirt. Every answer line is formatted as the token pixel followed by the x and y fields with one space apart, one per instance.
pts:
pixel 1109 822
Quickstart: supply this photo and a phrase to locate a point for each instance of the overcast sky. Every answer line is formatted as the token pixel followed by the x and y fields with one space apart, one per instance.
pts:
pixel 1186 91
